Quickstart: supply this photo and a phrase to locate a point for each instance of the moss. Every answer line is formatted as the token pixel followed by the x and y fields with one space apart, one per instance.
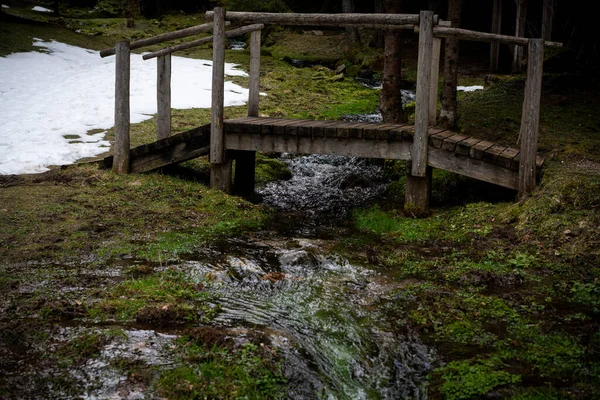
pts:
pixel 270 169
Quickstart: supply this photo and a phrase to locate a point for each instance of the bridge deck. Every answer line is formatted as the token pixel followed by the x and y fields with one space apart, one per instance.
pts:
pixel 465 155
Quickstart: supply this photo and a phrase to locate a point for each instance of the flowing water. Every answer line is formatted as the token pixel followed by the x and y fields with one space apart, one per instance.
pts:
pixel 317 307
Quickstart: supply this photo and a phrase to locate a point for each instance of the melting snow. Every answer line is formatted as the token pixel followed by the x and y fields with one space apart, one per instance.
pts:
pixel 40 9
pixel 469 88
pixel 67 91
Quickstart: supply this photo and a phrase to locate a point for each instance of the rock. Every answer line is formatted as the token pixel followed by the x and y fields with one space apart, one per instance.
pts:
pixel 317 33
pixel 340 68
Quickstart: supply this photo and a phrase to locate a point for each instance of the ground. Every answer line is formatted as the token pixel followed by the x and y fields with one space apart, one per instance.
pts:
pixel 507 292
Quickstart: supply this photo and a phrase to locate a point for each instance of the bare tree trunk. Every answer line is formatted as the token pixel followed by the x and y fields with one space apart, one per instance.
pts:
pixel 352 35
pixel 517 64
pixel 496 28
pixel 548 14
pixel 390 101
pixel 448 114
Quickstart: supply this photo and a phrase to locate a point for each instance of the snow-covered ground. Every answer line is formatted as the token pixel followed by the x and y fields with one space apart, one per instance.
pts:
pixel 67 91
pixel 469 88
pixel 40 9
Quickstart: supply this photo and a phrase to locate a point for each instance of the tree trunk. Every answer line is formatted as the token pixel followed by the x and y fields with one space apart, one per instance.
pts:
pixel 448 114
pixel 352 35
pixel 548 15
pixel 517 64
pixel 390 102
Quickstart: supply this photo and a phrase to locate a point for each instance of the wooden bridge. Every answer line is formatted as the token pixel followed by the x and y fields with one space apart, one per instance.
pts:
pixel 422 145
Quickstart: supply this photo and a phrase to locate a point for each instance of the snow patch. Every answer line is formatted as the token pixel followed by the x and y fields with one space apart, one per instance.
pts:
pixel 5 6
pixel 68 91
pixel 41 9
pixel 469 88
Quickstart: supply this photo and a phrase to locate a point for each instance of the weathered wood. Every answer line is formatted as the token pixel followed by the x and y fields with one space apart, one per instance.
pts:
pixel 418 192
pixel 254 93
pixel 478 149
pixel 165 37
pixel 464 147
pixel 437 139
pixel 466 34
pixel 496 29
pixel 318 19
pixel 491 154
pixel 451 141
pixel 419 148
pixel 220 171
pixel 172 150
pixel 163 96
pixel 471 167
pixel 392 150
pixel 506 158
pixel 184 46
pixel 435 75
pixel 530 118
pixel 547 16
pixel 122 83
pixel 519 32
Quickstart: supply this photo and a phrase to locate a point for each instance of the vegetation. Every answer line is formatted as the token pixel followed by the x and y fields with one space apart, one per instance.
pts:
pixel 506 292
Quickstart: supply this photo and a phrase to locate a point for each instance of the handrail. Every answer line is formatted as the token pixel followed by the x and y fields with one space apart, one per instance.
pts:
pixel 232 33
pixel 164 37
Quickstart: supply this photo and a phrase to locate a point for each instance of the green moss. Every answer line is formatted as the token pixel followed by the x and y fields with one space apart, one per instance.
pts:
pixel 468 380
pixel 270 169
pixel 217 371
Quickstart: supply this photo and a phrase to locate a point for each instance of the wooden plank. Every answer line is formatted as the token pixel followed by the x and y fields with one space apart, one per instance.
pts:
pixel 435 75
pixel 492 153
pixel 315 19
pixel 464 147
pixel 298 127
pixel 122 84
pixel 163 97
pixel 254 75
pixel 437 139
pixel 195 43
pixel 220 171
pixel 321 145
pixel 276 128
pixel 408 132
pixel 165 37
pixel 238 124
pixel 506 157
pixel 475 36
pixel 398 132
pixel 356 131
pixel 421 138
pixel 318 128
pixel 450 142
pixel 344 128
pixel 530 119
pixel 471 167
pixel 478 149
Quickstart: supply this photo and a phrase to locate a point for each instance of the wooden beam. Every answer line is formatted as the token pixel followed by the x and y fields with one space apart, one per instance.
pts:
pixel 163 96
pixel 232 33
pixel 530 118
pixel 435 75
pixel 496 29
pixel 548 15
pixel 122 83
pixel 467 34
pixel 245 161
pixel 419 149
pixel 165 37
pixel 418 192
pixel 220 171
pixel 319 19
pixel 519 32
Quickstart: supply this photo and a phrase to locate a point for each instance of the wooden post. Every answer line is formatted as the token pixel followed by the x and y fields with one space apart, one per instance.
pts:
pixel 530 118
pixel 496 29
pixel 417 189
pixel 435 75
pixel 121 147
pixel 245 162
pixel 519 32
pixel 220 171
pixel 163 96
pixel 548 15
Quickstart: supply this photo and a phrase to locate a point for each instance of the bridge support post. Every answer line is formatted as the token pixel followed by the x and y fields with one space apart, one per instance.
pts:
pixel 417 186
pixel 530 118
pixel 220 168
pixel 163 97
pixel 418 192
pixel 245 161
pixel 121 148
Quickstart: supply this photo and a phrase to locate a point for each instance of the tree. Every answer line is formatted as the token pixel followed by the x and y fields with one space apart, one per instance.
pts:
pixel 448 113
pixel 352 35
pixel 390 102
